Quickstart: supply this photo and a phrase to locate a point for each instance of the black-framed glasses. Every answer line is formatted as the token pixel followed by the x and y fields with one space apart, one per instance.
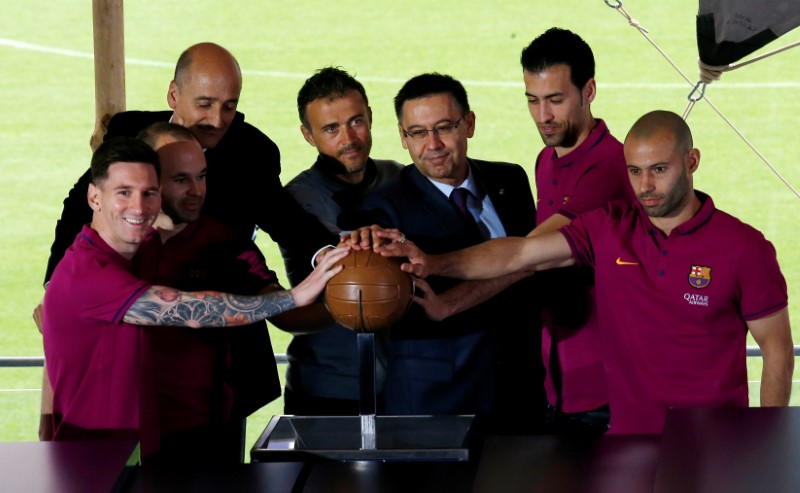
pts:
pixel 442 130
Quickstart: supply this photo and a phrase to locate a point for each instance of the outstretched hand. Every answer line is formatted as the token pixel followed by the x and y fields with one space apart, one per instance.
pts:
pixel 310 288
pixel 418 261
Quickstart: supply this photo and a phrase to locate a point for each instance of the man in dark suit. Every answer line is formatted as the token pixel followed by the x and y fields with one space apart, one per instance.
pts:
pixel 444 357
pixel 244 188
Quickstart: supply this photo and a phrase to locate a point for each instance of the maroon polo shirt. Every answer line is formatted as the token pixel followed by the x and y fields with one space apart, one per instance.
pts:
pixel 95 361
pixel 190 366
pixel 674 309
pixel 590 176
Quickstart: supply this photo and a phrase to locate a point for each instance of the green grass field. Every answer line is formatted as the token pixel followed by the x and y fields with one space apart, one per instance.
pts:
pixel 47 104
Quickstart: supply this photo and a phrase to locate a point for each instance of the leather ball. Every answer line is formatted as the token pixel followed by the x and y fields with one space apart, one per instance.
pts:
pixel 371 293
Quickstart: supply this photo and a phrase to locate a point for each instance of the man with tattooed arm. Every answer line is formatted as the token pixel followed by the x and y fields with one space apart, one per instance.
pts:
pixel 96 356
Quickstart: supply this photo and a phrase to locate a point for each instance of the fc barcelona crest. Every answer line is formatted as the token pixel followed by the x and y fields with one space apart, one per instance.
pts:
pixel 700 276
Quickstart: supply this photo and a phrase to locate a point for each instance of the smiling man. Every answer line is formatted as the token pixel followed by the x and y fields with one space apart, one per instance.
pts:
pixel 469 356
pixel 207 383
pixel 98 357
pixel 677 285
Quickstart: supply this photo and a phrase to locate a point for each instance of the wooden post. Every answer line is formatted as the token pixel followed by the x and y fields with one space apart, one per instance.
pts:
pixel 109 65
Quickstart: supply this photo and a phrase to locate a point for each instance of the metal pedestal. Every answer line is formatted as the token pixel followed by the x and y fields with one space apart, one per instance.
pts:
pixel 367 436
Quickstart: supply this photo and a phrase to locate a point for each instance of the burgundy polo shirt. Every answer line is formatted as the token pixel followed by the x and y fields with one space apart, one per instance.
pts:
pixel 190 365
pixel 95 361
pixel 674 309
pixel 590 176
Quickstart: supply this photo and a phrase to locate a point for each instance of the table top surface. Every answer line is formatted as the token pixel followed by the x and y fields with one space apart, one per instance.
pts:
pixel 732 450
pixel 64 467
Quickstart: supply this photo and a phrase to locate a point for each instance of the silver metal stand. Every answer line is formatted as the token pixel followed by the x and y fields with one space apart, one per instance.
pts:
pixel 367 393
pixel 367 436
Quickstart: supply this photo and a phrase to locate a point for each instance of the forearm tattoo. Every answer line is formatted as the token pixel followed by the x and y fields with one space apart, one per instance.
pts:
pixel 168 306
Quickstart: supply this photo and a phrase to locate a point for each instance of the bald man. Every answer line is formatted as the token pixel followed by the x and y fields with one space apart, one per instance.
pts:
pixel 679 284
pixel 205 384
pixel 244 187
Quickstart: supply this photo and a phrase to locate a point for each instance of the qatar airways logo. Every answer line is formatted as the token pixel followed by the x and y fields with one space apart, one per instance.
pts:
pixel 696 299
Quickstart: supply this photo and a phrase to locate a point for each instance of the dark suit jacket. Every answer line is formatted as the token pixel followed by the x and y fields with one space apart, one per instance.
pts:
pixel 244 189
pixel 476 361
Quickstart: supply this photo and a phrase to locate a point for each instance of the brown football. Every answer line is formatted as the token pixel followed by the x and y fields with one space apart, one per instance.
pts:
pixel 371 293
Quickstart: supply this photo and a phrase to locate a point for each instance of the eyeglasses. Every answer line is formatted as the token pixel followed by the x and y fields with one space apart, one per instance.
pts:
pixel 443 130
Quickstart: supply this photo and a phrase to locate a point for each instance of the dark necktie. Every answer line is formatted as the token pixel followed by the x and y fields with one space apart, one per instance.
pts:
pixel 459 197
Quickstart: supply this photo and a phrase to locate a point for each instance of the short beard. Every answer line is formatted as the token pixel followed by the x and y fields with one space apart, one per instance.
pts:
pixel 351 171
pixel 675 200
pixel 568 139
pixel 342 168
pixel 347 170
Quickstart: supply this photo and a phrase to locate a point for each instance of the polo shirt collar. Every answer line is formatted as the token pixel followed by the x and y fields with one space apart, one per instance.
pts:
pixel 702 216
pixel 596 135
pixel 97 242
pixel 187 233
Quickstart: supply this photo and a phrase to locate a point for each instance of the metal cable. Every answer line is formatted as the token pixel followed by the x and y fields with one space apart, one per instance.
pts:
pixel 617 5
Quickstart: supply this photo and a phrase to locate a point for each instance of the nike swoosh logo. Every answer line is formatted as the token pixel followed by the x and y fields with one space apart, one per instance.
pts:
pixel 622 262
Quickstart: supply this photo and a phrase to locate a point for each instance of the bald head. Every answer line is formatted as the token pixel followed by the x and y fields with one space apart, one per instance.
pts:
pixel 661 162
pixel 183 187
pixel 206 58
pixel 162 133
pixel 659 124
pixel 205 92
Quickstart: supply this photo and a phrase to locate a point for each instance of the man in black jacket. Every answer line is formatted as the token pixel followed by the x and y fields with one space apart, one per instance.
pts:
pixel 244 188
pixel 322 377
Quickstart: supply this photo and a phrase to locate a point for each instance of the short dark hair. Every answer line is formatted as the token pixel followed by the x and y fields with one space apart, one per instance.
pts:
pixel 330 83
pixel 122 150
pixel 151 133
pixel 558 46
pixel 427 85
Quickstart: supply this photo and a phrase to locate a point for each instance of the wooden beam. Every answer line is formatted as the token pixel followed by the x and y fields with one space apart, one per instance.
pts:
pixel 109 65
